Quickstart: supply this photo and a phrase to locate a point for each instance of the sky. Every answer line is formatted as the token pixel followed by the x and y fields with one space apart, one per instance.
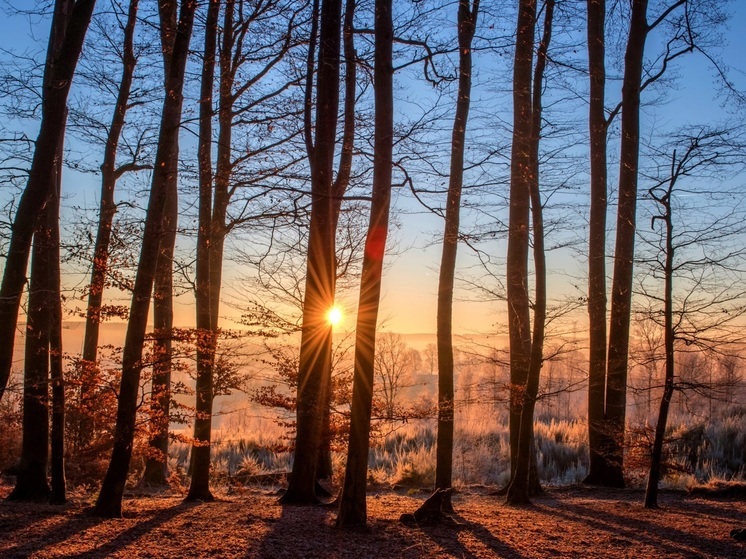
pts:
pixel 410 284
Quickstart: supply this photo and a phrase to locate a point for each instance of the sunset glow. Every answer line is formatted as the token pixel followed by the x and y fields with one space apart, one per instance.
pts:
pixel 334 315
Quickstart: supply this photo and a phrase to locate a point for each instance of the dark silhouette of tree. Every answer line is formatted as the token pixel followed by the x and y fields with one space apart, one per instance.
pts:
pixel 199 487
pixel 315 349
pixel 467 21
pixel 107 210
pixel 352 505
pixel 520 487
pixel 703 311
pixel 69 25
pixel 598 134
pixel 109 502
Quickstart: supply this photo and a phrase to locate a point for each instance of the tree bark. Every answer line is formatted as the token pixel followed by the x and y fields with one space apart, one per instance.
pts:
pixel 352 506
pixel 109 501
pixel 315 349
pixel 519 330
pixel 199 488
pixel 107 210
pixel 31 483
pixel 597 435
pixel 467 20
pixel 521 486
pixel 69 26
pixel 621 289
pixel 58 494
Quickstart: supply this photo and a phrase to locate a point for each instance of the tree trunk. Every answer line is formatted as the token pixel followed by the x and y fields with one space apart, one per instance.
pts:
pixel 521 488
pixel 31 483
pixel 621 289
pixel 315 349
pixel 107 210
pixel 59 485
pixel 352 508
pixel 69 26
pixel 651 491
pixel 199 488
pixel 109 501
pixel 467 19
pixel 519 330
pixel 597 435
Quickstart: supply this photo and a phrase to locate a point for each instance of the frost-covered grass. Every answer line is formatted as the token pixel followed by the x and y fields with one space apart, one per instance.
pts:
pixel 698 453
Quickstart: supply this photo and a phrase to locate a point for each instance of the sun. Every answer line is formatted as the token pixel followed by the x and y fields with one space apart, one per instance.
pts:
pixel 334 315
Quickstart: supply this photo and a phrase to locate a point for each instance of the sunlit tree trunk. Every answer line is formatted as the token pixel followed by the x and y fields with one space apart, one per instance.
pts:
pixel 107 209
pixel 522 485
pixel 597 436
pixel 519 327
pixel 109 501
pixel 199 487
pixel 69 26
pixel 467 20
pixel 352 507
pixel 621 289
pixel 156 466
pixel 315 352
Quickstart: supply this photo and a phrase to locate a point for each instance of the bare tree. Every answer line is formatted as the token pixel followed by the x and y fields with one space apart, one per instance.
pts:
pixel 109 502
pixel 467 22
pixel 352 505
pixel 702 257
pixel 69 25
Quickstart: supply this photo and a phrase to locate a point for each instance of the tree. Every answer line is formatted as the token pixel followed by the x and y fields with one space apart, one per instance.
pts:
pixel 520 486
pixel 607 420
pixel 107 210
pixel 393 362
pixel 69 25
pixel 199 487
pixel 467 21
pixel 352 505
pixel 598 135
pixel 109 502
pixel 315 349
pixel 702 255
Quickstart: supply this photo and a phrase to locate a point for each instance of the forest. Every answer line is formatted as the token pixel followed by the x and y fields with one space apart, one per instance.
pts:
pixel 314 278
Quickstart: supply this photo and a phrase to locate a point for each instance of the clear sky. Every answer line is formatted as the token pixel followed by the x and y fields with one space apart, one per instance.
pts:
pixel 410 284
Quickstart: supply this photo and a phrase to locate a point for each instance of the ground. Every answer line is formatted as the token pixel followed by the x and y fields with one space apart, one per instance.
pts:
pixel 568 522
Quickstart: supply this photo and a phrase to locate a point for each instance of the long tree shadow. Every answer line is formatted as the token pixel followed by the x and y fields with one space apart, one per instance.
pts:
pixel 669 540
pixel 310 532
pixel 446 536
pixel 81 522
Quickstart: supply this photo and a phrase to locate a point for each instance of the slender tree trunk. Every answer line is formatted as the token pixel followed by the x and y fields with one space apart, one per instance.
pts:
pixel 69 26
pixel 59 485
pixel 621 289
pixel 109 501
pixel 521 488
pixel 206 334
pixel 315 349
pixel 352 508
pixel 156 466
pixel 651 491
pixel 107 210
pixel 597 433
pixel 519 329
pixel 467 20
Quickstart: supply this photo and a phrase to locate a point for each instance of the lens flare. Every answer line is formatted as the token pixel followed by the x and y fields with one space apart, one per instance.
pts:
pixel 334 315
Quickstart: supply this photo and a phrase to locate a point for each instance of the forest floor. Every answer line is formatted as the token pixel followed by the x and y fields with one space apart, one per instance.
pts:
pixel 567 522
